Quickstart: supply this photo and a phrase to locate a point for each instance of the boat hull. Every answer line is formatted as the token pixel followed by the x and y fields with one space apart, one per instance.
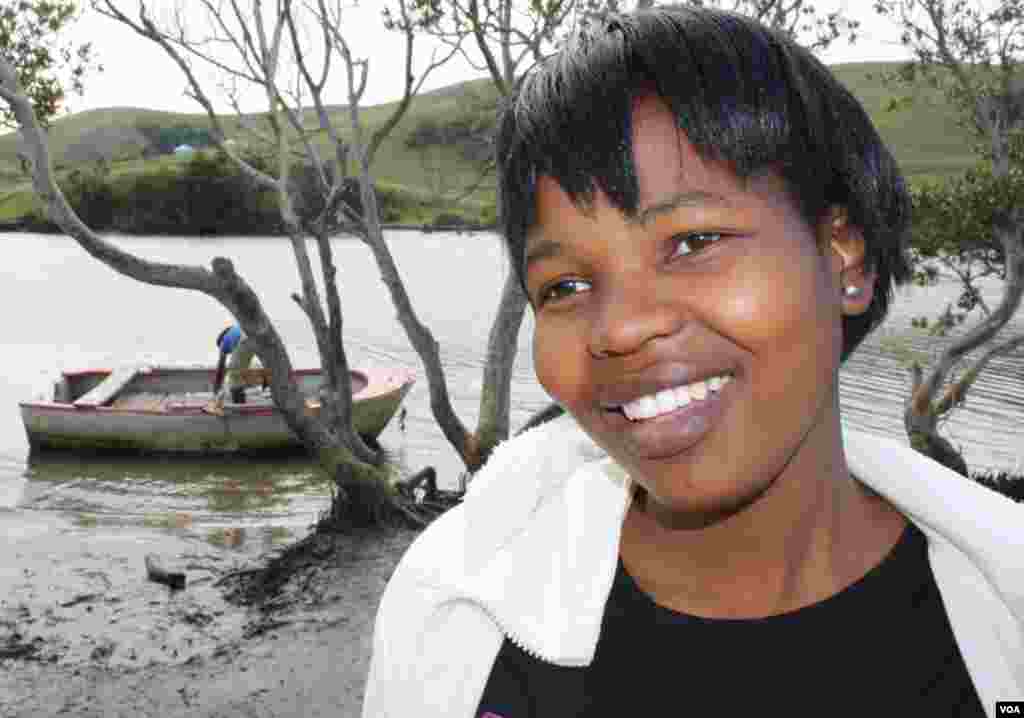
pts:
pixel 161 411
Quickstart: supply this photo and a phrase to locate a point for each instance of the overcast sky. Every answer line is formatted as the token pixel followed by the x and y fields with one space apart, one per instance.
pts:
pixel 139 74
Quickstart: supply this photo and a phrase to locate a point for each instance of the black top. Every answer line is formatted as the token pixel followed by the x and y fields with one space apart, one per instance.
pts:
pixel 883 646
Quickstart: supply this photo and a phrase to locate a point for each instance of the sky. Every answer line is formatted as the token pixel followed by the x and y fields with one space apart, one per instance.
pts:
pixel 137 73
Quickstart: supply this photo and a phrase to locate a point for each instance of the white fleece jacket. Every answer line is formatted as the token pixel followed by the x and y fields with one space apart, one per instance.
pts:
pixel 532 550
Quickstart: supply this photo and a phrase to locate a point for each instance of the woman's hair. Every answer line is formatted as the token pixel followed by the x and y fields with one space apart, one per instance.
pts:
pixel 741 93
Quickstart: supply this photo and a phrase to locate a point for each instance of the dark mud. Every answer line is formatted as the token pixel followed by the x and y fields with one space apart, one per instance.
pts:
pixel 239 640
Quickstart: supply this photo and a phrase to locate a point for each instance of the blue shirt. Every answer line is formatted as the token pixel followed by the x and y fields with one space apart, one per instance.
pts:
pixel 230 339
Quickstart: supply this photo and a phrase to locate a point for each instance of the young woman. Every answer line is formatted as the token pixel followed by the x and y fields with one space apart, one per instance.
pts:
pixel 706 224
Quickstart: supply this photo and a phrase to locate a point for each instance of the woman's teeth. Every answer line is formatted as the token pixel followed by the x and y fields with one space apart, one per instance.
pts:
pixel 668 400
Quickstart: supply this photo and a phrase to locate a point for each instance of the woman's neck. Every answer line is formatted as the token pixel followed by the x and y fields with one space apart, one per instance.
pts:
pixel 813 532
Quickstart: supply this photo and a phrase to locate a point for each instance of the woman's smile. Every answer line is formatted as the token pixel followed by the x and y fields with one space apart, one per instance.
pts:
pixel 673 420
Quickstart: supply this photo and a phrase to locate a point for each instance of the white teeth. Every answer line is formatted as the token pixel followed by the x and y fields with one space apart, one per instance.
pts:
pixel 668 400
pixel 645 407
pixel 699 390
pixel 682 395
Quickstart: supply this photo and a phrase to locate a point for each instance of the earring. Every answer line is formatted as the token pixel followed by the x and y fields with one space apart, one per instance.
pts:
pixel 852 292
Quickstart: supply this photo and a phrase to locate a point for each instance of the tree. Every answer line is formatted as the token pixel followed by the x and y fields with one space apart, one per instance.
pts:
pixel 800 19
pixel 266 44
pixel 973 55
pixel 32 43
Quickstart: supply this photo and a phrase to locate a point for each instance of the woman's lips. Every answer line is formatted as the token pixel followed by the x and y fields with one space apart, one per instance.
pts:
pixel 664 436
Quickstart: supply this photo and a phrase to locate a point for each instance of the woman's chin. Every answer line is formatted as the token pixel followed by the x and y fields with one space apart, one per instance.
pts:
pixel 698 507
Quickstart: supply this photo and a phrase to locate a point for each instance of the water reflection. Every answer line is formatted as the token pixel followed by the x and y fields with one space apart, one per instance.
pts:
pixel 260 538
pixel 231 501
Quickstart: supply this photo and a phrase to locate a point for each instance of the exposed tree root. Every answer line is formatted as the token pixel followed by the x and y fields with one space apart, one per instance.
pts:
pixel 360 510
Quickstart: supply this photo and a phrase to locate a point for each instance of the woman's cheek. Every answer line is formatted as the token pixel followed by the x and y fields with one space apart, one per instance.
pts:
pixel 546 362
pixel 773 304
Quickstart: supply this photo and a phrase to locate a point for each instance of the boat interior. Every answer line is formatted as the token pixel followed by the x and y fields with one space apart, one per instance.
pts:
pixel 167 389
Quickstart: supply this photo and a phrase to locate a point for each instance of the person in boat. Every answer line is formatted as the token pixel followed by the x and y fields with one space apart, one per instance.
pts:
pixel 234 355
pixel 706 225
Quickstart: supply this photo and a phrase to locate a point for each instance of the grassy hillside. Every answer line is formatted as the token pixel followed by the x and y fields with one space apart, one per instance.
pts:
pixel 924 137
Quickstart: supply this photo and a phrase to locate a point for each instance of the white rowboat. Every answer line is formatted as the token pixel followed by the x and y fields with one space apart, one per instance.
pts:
pixel 161 410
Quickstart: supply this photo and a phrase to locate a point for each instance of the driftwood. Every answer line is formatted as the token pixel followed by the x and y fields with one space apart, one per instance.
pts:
pixel 83 598
pixel 19 649
pixel 156 572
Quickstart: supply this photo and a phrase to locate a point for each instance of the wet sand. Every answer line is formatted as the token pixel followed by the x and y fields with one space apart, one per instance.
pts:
pixel 99 639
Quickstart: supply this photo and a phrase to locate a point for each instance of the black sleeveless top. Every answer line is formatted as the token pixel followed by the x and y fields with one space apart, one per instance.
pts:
pixel 883 646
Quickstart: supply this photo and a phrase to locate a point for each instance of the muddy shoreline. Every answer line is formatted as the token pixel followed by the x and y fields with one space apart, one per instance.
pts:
pixel 125 646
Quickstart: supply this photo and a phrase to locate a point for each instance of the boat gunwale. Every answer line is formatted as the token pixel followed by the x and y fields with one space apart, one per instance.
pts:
pixel 379 383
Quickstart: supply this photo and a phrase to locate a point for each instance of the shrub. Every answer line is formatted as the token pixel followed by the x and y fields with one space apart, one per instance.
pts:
pixel 489 215
pixel 90 195
pixel 470 134
pixel 449 219
pixel 205 195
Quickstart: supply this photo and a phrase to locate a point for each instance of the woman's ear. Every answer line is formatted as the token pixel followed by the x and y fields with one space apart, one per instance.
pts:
pixel 847 250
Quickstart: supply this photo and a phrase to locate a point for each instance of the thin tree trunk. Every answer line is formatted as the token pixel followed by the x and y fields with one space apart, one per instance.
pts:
pixel 925 407
pixel 495 398
pixel 419 335
pixel 923 432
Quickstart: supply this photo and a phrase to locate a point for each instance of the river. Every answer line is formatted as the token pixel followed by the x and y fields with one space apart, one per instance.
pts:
pixel 64 310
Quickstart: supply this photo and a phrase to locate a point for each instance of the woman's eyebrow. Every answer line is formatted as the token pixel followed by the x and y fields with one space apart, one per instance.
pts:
pixel 542 249
pixel 678 201
pixel 539 249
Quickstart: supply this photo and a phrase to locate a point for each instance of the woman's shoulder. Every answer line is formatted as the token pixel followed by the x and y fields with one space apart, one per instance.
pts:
pixel 520 475
pixel 542 455
pixel 437 544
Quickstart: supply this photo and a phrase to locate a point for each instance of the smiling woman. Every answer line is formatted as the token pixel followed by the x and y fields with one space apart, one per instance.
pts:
pixel 706 225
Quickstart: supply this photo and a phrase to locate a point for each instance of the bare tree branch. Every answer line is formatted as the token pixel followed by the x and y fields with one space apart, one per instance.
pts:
pixel 147 29
pixel 1010 232
pixel 419 335
pixel 957 391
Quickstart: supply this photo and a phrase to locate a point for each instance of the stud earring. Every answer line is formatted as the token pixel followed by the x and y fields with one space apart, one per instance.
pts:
pixel 852 292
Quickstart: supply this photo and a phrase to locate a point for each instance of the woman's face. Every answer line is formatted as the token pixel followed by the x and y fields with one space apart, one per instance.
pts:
pixel 698 343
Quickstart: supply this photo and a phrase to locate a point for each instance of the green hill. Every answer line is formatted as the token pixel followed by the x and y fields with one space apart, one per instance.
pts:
pixel 432 151
pixel 924 136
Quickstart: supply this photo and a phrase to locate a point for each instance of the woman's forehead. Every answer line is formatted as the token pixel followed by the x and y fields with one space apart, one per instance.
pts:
pixel 667 162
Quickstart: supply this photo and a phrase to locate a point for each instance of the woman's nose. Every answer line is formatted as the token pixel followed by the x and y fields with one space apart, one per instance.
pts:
pixel 630 317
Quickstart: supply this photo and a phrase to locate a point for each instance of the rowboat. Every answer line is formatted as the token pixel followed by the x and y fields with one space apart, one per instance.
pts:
pixel 162 410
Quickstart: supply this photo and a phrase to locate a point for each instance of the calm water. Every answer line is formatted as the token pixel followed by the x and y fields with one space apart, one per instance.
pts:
pixel 64 310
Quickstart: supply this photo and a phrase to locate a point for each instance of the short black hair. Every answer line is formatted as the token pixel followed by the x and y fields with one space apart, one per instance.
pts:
pixel 741 93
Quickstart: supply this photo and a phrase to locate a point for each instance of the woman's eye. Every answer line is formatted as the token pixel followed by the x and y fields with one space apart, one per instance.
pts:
pixel 687 244
pixel 562 289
